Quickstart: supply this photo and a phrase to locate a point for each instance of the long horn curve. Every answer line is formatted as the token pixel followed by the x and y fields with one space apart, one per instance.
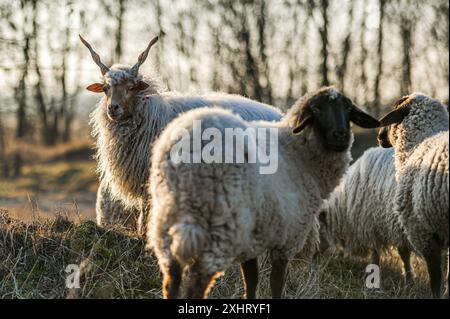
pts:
pixel 143 56
pixel 95 56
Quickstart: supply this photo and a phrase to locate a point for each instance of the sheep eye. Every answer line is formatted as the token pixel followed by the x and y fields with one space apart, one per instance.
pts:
pixel 105 88
pixel 130 88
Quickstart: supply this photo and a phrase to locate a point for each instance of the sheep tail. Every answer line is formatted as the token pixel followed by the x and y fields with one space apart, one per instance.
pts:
pixel 188 239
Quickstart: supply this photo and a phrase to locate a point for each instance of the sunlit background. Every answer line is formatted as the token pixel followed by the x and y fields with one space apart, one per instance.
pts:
pixel 269 50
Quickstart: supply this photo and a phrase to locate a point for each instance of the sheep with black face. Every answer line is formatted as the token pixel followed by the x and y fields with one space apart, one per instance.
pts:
pixel 208 216
pixel 132 113
pixel 417 129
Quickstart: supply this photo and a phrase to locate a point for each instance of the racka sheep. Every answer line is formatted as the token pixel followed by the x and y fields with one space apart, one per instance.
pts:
pixel 206 216
pixel 359 214
pixel 417 128
pixel 132 113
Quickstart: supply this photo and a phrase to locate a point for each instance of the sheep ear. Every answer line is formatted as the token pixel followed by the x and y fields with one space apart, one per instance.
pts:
pixel 95 87
pixel 303 123
pixel 141 85
pixel 362 119
pixel 395 116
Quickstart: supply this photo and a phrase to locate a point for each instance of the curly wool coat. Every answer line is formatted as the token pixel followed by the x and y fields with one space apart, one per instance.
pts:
pixel 359 215
pixel 124 147
pixel 234 213
pixel 422 170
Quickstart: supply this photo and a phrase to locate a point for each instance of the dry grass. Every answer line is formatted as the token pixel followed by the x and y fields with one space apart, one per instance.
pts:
pixel 34 258
pixel 61 181
pixel 114 265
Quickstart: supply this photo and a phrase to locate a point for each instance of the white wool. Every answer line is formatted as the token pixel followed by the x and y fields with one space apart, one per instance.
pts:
pixel 422 173
pixel 359 215
pixel 124 147
pixel 239 212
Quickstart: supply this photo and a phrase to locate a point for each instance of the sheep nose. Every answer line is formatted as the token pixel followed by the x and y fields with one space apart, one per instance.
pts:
pixel 113 107
pixel 340 136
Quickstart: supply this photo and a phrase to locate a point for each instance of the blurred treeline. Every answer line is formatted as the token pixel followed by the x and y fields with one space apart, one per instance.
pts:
pixel 269 50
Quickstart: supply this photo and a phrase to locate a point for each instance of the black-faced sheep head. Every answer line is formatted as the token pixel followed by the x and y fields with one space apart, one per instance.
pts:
pixel 414 117
pixel 401 110
pixel 121 85
pixel 329 112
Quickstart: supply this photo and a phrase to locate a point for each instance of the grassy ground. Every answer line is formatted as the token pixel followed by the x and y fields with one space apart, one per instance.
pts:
pixel 114 264
pixel 36 248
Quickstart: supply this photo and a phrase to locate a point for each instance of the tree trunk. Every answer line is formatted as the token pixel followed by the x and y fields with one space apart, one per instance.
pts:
pixel 363 56
pixel 406 27
pixel 216 76
pixel 17 168
pixel 376 101
pixel 160 46
pixel 38 94
pixel 303 42
pixel 251 69
pixel 342 69
pixel 64 114
pixel 20 93
pixel 324 38
pixel 262 30
pixel 119 30
pixel 3 159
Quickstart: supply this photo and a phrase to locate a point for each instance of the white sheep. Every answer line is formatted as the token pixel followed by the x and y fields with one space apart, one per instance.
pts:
pixel 129 117
pixel 359 214
pixel 207 216
pixel 417 128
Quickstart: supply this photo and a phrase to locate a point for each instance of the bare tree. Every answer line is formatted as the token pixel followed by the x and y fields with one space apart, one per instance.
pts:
pixel 404 14
pixel 3 160
pixel 47 137
pixel 116 11
pixel 119 30
pixel 346 47
pixel 254 47
pixel 216 75
pixel 262 21
pixel 324 39
pixel 363 55
pixel 406 38
pixel 376 100
pixel 20 91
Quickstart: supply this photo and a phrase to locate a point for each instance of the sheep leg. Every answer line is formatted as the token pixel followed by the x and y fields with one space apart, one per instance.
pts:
pixel 375 257
pixel 199 284
pixel 405 255
pixel 172 280
pixel 144 212
pixel 433 258
pixel 249 271
pixel 278 276
pixel 445 270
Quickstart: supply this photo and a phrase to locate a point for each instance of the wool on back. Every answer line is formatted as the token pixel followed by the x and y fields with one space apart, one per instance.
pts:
pixel 124 147
pixel 360 212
